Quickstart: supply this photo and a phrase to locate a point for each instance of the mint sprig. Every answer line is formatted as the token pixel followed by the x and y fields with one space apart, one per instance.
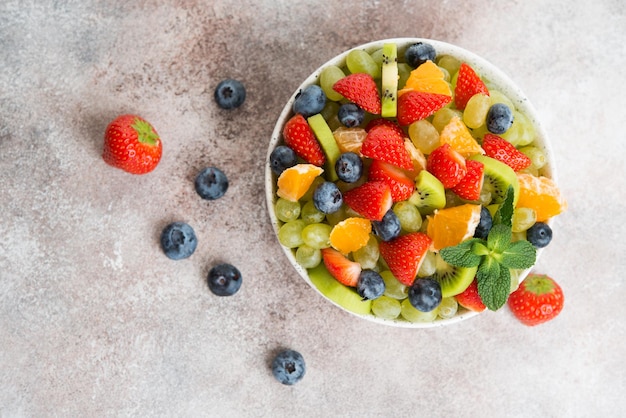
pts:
pixel 494 256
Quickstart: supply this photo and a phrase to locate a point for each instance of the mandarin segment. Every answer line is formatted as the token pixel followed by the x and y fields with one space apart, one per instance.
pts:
pixel 451 226
pixel 427 78
pixel 540 194
pixel 459 137
pixel 350 235
pixel 294 182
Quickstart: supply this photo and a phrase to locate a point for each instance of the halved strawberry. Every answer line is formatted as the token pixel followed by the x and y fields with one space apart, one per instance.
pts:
pixel 299 136
pixel 341 268
pixel 470 299
pixel 468 84
pixel 386 144
pixel 360 88
pixel 502 150
pixel 405 254
pixel 470 185
pixel 387 122
pixel 372 199
pixel 401 185
pixel 447 165
pixel 416 105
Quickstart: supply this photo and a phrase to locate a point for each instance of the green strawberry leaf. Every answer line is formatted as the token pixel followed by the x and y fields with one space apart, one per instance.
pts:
pixel 519 255
pixel 499 238
pixel 504 214
pixel 461 255
pixel 494 283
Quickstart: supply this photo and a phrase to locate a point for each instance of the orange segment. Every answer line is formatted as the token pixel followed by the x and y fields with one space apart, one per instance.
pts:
pixel 428 78
pixel 459 137
pixel 350 139
pixel 350 234
pixel 294 182
pixel 451 226
pixel 540 194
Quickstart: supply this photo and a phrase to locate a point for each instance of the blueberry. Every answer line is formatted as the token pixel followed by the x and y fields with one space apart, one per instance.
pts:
pixel 288 367
pixel 281 158
pixel 425 294
pixel 499 118
pixel 388 228
pixel 178 240
pixel 419 53
pixel 350 115
pixel 310 101
pixel 229 94
pixel 349 167
pixel 539 235
pixel 224 280
pixel 484 225
pixel 211 183
pixel 327 198
pixel 370 285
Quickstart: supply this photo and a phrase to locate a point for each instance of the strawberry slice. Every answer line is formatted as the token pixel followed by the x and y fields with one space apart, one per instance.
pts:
pixel 385 143
pixel 382 121
pixel 299 136
pixel 360 88
pixel 447 165
pixel 372 199
pixel 470 185
pixel 417 105
pixel 405 254
pixel 468 84
pixel 341 268
pixel 502 150
pixel 401 185
pixel 470 299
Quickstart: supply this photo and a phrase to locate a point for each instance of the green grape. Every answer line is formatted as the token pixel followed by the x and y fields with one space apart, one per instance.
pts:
pixel 404 71
pixel 393 288
pixel 286 210
pixel 336 217
pixel 310 214
pixel 328 77
pixel 308 257
pixel 411 314
pixel 523 218
pixel 409 216
pixel 359 61
pixel 424 136
pixel 428 266
pixel 386 307
pixel 443 116
pixel 330 114
pixel 377 56
pixel 317 235
pixel 446 74
pixel 497 96
pixel 450 63
pixel 309 193
pixel 367 256
pixel 522 132
pixel 290 234
pixel 475 112
pixel 536 155
pixel 447 308
pixel 515 275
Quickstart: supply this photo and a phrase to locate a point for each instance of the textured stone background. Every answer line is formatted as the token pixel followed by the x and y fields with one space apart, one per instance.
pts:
pixel 95 321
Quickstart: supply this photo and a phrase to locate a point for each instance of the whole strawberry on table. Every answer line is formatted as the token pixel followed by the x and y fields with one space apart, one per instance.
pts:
pixel 132 144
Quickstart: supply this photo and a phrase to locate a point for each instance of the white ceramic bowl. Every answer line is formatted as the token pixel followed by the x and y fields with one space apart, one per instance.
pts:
pixel 487 71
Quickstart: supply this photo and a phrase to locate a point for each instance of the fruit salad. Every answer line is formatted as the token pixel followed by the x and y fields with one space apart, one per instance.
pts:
pixel 408 186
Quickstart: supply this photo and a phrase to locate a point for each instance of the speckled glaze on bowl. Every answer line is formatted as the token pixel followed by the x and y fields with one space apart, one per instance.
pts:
pixel 487 72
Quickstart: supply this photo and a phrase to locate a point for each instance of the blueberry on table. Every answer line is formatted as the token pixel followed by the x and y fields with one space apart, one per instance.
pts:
pixel 327 198
pixel 349 167
pixel 224 279
pixel 389 227
pixel 309 101
pixel 499 118
pixel 288 367
pixel 281 158
pixel 230 94
pixel 370 285
pixel 425 294
pixel 350 115
pixel 539 235
pixel 211 183
pixel 417 54
pixel 178 240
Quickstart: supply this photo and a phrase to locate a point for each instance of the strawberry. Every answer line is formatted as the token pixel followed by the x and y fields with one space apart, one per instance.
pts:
pixel 469 186
pixel 132 144
pixel 502 150
pixel 405 254
pixel 341 268
pixel 416 105
pixel 470 299
pixel 299 136
pixel 401 185
pixel 360 88
pixel 382 121
pixel 537 299
pixel 447 165
pixel 386 144
pixel 468 84
pixel 372 199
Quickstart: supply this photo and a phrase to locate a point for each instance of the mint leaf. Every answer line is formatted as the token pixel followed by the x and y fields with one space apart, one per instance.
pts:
pixel 519 255
pixel 494 283
pixel 499 238
pixel 461 255
pixel 504 214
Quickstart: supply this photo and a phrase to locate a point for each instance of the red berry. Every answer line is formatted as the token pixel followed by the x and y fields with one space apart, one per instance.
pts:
pixel 132 144
pixel 470 185
pixel 537 300
pixel 405 254
pixel 372 199
pixel 447 165
pixel 360 88
pixel 468 84
pixel 502 150
pixel 341 268
pixel 416 105
pixel 401 185
pixel 299 136
pixel 470 299
pixel 386 144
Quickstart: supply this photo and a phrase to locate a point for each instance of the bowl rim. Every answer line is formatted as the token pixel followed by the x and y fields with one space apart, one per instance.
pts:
pixel 487 71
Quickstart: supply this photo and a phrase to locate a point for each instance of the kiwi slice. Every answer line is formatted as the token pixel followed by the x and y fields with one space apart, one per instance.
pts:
pixel 342 295
pixel 498 177
pixel 389 85
pixel 453 280
pixel 429 193
pixel 325 136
